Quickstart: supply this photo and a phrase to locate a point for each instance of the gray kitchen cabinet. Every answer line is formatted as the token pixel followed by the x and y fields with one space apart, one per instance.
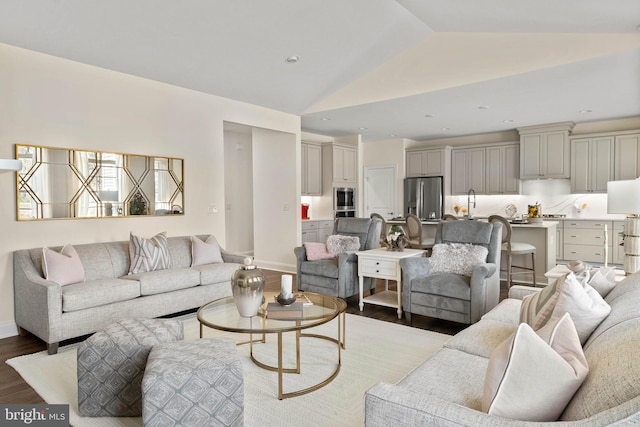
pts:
pixel 425 162
pixel 627 157
pixel 316 230
pixel 468 170
pixel 592 164
pixel 340 164
pixel 502 169
pixel 311 169
pixel 618 242
pixel 584 240
pixel 544 151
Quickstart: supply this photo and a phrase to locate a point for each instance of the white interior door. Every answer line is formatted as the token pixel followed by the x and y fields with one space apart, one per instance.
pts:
pixel 380 189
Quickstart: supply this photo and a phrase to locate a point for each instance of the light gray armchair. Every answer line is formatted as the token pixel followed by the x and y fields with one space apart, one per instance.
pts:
pixel 339 276
pixel 452 296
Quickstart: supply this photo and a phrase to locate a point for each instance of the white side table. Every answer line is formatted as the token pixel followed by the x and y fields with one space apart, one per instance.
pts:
pixel 383 264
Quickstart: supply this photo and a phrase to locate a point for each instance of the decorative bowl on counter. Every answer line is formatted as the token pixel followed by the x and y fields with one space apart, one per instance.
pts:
pixel 534 220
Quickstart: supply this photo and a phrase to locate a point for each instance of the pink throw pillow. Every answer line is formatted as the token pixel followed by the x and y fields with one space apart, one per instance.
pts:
pixel 317 251
pixel 64 267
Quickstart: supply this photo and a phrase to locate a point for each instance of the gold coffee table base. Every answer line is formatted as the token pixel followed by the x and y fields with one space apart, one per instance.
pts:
pixel 222 314
pixel 340 342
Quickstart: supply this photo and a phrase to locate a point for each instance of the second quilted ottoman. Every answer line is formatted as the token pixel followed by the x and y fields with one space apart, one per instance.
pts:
pixel 194 383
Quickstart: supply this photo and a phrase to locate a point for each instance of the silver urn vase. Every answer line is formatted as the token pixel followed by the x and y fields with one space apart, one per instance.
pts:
pixel 247 286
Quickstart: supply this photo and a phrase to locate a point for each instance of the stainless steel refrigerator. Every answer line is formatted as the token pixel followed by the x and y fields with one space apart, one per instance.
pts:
pixel 424 197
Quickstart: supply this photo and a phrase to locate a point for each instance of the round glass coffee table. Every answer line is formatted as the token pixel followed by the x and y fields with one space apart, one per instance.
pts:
pixel 223 315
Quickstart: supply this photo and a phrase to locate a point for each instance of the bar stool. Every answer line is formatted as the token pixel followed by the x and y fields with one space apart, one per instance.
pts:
pixel 449 217
pixel 515 248
pixel 414 227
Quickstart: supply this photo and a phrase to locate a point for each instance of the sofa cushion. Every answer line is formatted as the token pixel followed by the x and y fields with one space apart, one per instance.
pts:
pixel 324 267
pixel 507 311
pixel 95 293
pixel 207 252
pixel 457 258
pixel 614 372
pixel 148 254
pixel 481 338
pixel 216 273
pixel 157 282
pixel 451 375
pixel 444 284
pixel 532 376
pixel 64 267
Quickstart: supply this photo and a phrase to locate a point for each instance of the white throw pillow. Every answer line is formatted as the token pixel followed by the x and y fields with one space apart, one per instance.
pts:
pixel 458 258
pixel 63 268
pixel 585 305
pixel 148 254
pixel 533 376
pixel 337 244
pixel 207 252
pixel 603 280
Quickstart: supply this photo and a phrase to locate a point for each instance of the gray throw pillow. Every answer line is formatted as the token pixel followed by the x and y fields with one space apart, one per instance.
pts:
pixel 458 258
pixel 337 244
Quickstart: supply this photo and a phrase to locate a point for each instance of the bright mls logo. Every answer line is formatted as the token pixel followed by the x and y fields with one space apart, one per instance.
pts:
pixel 34 415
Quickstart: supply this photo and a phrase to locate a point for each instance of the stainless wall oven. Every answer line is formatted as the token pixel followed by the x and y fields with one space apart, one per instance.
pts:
pixel 344 202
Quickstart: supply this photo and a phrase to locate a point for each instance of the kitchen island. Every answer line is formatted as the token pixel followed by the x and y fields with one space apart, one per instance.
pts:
pixel 541 235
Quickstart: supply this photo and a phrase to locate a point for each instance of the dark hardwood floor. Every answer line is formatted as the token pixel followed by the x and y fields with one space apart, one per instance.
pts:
pixel 13 389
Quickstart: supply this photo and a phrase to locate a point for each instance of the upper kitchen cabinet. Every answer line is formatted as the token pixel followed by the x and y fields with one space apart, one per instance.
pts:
pixel 343 161
pixel 311 169
pixel 468 170
pixel 430 162
pixel 591 164
pixel 544 151
pixel 627 156
pixel 502 169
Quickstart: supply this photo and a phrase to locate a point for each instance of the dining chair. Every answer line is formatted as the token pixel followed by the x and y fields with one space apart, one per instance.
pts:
pixel 414 228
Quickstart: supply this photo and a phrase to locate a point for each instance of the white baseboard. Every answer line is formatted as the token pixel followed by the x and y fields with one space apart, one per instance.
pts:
pixel 8 330
pixel 285 268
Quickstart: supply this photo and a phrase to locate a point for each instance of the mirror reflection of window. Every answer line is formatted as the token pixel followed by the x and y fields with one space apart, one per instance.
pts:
pixel 62 183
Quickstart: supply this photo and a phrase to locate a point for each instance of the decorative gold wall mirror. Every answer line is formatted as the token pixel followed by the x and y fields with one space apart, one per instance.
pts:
pixel 65 183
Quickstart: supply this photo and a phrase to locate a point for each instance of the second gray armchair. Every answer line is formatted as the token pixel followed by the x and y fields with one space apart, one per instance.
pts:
pixel 451 296
pixel 339 276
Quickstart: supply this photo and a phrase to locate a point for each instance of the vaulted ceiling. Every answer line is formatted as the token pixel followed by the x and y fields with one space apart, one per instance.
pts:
pixel 418 69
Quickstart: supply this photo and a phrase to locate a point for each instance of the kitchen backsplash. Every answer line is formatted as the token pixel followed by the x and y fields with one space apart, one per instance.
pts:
pixel 553 195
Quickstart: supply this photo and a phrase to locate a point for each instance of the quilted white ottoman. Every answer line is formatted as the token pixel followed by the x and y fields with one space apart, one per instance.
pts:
pixel 193 383
pixel 111 364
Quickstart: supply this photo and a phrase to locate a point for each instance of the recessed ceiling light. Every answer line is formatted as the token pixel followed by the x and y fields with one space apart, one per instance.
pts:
pixel 507 121
pixel 585 111
pixel 292 59
pixel 325 118
pixel 483 107
pixel 362 128
pixel 430 115
pixel 445 128
pixel 392 134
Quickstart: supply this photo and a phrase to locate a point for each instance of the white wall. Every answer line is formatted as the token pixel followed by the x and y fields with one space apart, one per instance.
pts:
pixel 51 101
pixel 238 165
pixel 276 190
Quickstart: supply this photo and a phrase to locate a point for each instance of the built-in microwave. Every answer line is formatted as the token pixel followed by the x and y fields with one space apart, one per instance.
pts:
pixel 344 201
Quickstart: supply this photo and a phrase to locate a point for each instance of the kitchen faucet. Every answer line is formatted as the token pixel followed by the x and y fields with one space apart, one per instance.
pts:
pixel 469 202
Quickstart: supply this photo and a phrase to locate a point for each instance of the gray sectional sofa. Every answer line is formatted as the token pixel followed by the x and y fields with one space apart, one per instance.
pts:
pixel 447 389
pixel 108 294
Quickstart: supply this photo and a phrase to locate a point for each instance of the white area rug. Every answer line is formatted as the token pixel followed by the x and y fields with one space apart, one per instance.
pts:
pixel 375 351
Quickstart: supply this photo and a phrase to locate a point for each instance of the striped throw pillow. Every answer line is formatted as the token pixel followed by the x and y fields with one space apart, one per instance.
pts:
pixel 148 254
pixel 536 309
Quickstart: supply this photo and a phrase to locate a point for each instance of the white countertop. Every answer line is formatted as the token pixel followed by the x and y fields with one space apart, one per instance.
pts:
pixel 544 224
